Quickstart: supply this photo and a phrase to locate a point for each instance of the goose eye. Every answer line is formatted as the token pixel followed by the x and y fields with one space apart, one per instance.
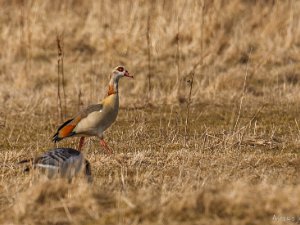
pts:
pixel 120 69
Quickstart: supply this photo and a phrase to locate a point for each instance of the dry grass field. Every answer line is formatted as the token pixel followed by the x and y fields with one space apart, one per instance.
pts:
pixel 208 130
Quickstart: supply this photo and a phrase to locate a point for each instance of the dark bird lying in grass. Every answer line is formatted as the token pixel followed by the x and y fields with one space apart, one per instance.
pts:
pixel 60 162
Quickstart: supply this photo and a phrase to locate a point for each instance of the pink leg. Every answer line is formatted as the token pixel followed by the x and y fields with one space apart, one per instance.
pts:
pixel 81 142
pixel 105 146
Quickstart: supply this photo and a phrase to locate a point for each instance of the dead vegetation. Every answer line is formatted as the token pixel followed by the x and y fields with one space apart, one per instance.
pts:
pixel 222 151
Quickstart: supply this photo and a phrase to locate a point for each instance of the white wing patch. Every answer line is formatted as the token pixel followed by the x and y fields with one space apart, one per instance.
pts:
pixel 47 166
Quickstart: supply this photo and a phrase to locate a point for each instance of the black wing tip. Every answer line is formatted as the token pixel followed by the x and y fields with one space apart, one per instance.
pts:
pixel 55 138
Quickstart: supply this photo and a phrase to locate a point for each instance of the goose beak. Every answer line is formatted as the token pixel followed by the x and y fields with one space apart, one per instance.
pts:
pixel 127 74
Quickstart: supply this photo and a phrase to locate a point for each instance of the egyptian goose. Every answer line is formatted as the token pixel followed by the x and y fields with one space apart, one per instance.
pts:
pixel 61 162
pixel 95 119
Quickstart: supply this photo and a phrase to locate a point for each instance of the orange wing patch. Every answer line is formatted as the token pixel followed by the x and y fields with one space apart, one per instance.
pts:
pixel 66 130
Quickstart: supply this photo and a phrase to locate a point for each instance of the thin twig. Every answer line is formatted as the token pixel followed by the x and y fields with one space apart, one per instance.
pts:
pixel 178 55
pixel 79 99
pixel 246 126
pixel 243 92
pixel 186 131
pixel 178 49
pixel 63 80
pixel 59 57
pixel 149 54
pixel 60 48
pixel 197 64
pixel 248 123
pixel 191 81
pixel 202 31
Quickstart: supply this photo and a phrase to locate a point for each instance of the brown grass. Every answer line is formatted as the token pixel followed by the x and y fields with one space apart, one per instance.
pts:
pixel 240 163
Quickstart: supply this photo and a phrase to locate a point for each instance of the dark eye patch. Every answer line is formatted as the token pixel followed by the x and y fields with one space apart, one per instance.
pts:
pixel 120 69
